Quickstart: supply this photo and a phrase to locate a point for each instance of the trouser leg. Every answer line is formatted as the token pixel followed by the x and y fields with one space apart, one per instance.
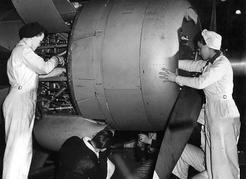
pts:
pixel 17 160
pixel 18 151
pixel 191 156
pixel 223 150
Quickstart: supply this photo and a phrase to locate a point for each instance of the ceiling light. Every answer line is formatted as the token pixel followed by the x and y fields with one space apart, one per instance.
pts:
pixel 238 12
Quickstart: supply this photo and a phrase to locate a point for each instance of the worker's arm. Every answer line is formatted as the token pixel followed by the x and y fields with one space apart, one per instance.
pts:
pixel 191 65
pixel 208 77
pixel 37 63
pixel 53 73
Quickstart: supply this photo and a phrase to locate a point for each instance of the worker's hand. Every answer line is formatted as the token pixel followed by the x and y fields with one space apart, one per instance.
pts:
pixel 55 72
pixel 167 75
pixel 61 60
pixel 62 70
pixel 144 138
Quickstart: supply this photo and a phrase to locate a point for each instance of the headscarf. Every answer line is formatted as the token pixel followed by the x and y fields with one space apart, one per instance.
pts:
pixel 212 39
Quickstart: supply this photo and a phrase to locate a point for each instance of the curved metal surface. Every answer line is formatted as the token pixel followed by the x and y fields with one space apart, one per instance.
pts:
pixel 66 9
pixel 42 11
pixel 52 131
pixel 177 132
pixel 116 51
pixel 9 33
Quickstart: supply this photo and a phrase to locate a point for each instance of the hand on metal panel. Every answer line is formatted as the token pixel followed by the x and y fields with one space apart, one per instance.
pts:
pixel 61 60
pixel 167 75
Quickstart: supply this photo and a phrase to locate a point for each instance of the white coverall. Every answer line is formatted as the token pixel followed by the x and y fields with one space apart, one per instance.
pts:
pixel 222 122
pixel 23 68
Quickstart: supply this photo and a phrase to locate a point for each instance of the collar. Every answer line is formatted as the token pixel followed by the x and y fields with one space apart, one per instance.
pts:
pixel 24 43
pixel 87 143
pixel 215 57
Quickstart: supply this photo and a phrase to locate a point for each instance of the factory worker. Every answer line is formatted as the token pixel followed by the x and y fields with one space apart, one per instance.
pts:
pixel 85 158
pixel 222 122
pixel 23 69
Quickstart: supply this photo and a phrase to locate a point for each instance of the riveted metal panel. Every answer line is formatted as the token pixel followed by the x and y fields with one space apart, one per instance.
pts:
pixel 85 77
pixel 65 9
pixel 120 64
pixel 117 49
pixel 122 44
pixel 127 109
pixel 166 18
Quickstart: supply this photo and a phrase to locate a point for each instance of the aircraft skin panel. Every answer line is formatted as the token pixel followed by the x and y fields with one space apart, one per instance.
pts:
pixel 9 33
pixel 58 128
pixel 65 8
pixel 113 46
pixel 31 11
pixel 123 102
pixel 121 45
pixel 85 58
pixel 93 110
pixel 159 97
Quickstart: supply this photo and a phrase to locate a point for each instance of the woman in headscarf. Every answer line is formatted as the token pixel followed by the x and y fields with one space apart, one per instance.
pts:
pixel 222 119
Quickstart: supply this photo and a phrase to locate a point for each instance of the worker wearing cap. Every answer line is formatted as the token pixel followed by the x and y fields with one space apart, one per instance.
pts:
pixel 23 68
pixel 222 119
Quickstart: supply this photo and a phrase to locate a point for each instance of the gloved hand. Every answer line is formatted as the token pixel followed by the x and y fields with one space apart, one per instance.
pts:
pixel 61 60
pixel 63 70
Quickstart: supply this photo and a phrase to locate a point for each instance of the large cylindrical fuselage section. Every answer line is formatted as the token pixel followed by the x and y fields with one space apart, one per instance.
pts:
pixel 116 50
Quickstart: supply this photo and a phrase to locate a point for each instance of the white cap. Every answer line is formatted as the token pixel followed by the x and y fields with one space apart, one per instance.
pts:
pixel 212 39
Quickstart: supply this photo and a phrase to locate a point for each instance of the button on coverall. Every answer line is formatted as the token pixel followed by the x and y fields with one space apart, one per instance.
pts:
pixel 222 122
pixel 23 68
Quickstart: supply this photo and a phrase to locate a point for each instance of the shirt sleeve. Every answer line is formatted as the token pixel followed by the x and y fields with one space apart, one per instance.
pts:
pixel 37 63
pixel 110 169
pixel 191 65
pixel 212 74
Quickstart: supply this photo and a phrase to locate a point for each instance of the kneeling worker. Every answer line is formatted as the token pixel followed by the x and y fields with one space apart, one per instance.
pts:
pixel 86 158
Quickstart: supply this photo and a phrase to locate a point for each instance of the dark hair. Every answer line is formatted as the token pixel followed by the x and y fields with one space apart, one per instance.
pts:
pixel 31 29
pixel 103 139
pixel 198 38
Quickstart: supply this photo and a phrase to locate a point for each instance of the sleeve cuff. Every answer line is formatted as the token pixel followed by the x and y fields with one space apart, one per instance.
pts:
pixel 177 80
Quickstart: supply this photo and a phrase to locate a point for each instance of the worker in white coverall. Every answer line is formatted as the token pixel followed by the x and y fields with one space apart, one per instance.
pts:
pixel 23 68
pixel 222 122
